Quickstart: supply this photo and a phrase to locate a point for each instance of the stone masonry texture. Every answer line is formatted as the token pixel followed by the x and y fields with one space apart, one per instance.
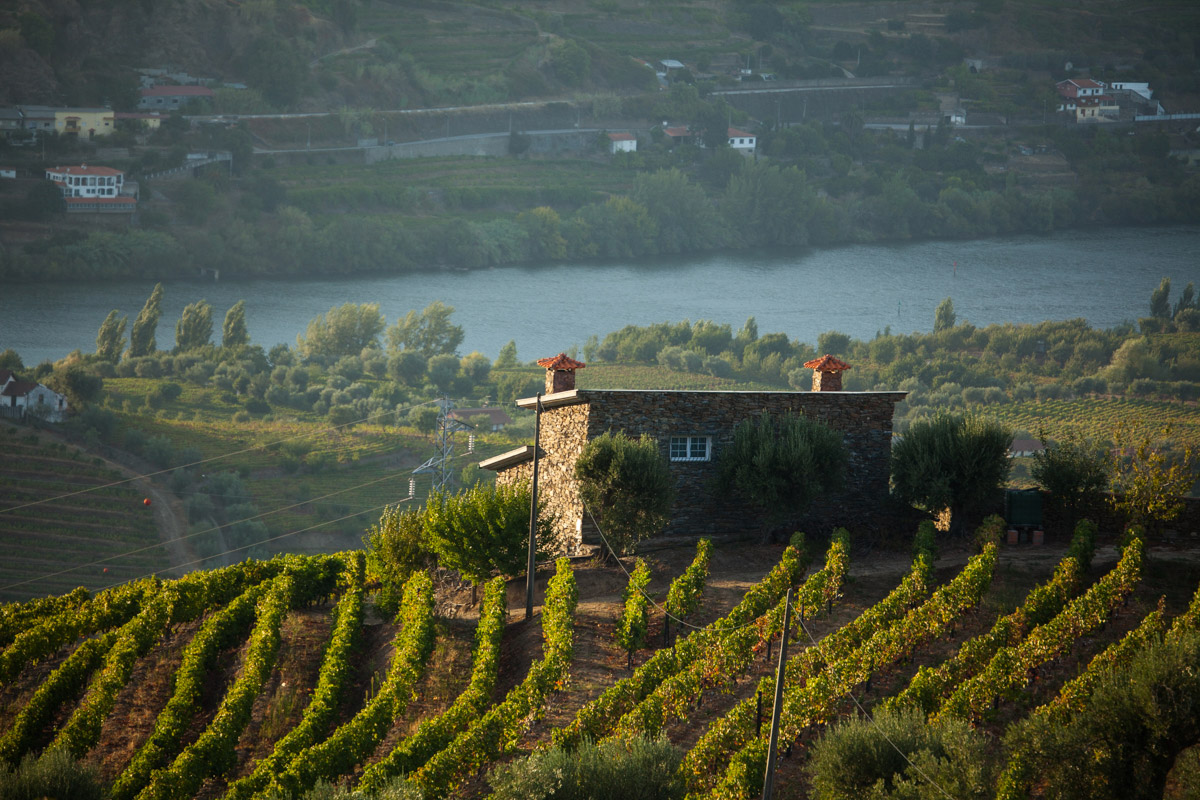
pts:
pixel 863 418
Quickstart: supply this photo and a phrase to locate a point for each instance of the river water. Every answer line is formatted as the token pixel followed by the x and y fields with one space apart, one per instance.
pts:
pixel 1105 276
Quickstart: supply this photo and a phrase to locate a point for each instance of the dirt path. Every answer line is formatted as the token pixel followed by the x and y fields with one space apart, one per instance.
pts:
pixel 169 516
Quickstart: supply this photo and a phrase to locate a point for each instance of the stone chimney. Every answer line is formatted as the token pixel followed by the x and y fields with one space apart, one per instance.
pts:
pixel 827 373
pixel 560 372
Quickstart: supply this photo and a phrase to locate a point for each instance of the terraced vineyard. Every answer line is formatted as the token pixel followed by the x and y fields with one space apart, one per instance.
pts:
pixel 51 537
pixel 1097 417
pixel 270 677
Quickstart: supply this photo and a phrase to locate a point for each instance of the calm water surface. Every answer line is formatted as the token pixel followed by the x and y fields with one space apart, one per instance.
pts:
pixel 1104 276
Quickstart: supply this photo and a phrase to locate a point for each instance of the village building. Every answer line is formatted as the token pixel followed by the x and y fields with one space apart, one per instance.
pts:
pixel 622 143
pixel 742 141
pixel 92 189
pixel 19 398
pixel 692 429
pixel 170 98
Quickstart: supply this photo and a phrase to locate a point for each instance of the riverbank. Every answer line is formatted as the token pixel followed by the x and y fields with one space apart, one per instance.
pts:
pixel 1101 275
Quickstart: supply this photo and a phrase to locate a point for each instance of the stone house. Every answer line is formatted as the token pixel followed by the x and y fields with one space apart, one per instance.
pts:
pixel 692 428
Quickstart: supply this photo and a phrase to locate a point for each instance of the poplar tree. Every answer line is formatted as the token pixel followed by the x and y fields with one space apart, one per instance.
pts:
pixel 233 331
pixel 110 340
pixel 141 336
pixel 195 326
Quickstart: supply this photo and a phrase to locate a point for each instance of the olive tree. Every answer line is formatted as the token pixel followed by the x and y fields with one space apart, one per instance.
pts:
pixel 1072 471
pixel 626 486
pixel 781 463
pixel 951 461
pixel 342 331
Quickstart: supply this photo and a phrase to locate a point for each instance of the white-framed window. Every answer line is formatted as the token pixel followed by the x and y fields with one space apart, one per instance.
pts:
pixel 691 448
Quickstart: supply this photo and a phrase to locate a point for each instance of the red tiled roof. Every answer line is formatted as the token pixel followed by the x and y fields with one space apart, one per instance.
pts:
pixel 677 131
pixel 5 374
pixel 827 363
pixel 107 201
pixel 622 137
pixel 734 132
pixel 177 91
pixel 18 389
pixel 560 361
pixel 84 169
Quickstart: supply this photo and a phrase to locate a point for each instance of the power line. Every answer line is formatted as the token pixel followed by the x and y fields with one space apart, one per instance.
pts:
pixel 208 460
pixel 128 553
pixel 264 541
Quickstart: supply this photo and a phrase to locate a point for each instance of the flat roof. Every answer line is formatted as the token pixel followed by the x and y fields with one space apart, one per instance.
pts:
pixel 577 396
pixel 510 458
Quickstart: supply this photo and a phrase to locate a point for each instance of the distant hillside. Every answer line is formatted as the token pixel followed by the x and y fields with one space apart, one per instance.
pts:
pixel 330 54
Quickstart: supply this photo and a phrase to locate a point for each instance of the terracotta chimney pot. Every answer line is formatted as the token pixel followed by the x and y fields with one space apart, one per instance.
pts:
pixel 827 373
pixel 560 372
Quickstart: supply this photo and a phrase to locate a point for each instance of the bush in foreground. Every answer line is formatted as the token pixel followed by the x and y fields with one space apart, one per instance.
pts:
pixel 53 776
pixel 640 769
pixel 900 755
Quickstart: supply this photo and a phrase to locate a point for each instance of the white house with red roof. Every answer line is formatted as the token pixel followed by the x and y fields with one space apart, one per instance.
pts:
pixel 742 141
pixel 92 188
pixel 622 143
pixel 18 398
pixel 169 98
pixel 1086 100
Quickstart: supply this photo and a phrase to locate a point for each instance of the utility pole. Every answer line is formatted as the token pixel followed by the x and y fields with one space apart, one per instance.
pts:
pixel 533 502
pixel 773 742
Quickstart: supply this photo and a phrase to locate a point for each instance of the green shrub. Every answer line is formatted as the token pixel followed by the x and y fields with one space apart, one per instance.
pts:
pixel 1123 743
pixel 53 776
pixel 641 769
pixel 899 755
pixel 780 464
pixel 626 485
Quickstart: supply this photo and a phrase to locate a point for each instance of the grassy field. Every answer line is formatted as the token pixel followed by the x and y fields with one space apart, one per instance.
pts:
pixel 55 536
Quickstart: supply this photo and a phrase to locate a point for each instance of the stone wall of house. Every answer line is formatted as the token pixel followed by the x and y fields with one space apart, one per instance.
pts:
pixel 564 433
pixel 863 418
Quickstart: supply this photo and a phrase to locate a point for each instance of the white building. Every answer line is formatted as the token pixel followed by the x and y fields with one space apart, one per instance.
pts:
pixel 622 143
pixel 92 188
pixel 18 398
pixel 742 141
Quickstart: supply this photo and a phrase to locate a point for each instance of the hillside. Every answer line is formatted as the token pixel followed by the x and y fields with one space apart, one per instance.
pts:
pixel 80 539
pixel 331 54
pixel 597 663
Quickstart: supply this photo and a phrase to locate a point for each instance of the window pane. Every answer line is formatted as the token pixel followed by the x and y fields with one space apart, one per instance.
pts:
pixel 699 448
pixel 679 447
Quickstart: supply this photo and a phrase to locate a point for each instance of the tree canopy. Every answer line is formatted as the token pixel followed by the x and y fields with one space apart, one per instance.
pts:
pixel 428 333
pixel 110 339
pixel 951 461
pixel 233 331
pixel 195 326
pixel 781 463
pixel 141 336
pixel 484 529
pixel 626 485
pixel 344 330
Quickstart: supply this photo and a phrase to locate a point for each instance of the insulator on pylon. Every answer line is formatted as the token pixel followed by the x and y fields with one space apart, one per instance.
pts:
pixel 412 487
pixel 471 443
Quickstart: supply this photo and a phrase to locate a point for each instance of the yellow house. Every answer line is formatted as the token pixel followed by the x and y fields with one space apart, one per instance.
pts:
pixel 89 122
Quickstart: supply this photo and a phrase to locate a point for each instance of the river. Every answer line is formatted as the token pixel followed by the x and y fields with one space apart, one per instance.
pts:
pixel 1102 275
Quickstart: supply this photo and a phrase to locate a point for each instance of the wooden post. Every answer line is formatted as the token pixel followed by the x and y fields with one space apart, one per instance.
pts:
pixel 773 743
